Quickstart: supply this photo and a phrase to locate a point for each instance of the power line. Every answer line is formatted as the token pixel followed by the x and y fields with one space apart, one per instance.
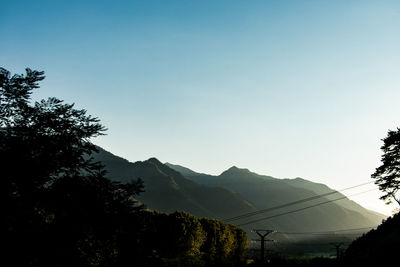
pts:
pixel 312 206
pixel 325 232
pixel 291 203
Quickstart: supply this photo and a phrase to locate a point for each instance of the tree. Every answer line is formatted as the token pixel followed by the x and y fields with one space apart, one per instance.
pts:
pixel 43 141
pixel 388 174
pixel 54 198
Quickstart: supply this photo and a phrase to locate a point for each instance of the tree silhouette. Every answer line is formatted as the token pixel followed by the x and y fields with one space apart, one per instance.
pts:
pixel 57 207
pixel 388 174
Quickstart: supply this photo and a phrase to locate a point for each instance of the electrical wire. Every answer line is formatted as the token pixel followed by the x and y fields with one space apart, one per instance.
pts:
pixel 325 232
pixel 301 209
pixel 292 203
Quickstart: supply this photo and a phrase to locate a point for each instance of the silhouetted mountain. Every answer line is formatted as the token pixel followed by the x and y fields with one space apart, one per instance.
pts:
pixel 264 192
pixel 239 191
pixel 168 190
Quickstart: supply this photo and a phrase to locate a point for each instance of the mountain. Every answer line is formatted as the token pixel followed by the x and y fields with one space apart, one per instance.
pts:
pixel 265 192
pixel 239 191
pixel 168 190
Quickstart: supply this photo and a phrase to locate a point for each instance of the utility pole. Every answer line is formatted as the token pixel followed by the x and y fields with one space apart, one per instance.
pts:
pixel 337 247
pixel 262 233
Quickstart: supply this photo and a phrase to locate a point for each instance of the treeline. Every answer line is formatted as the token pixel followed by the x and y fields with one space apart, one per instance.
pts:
pixel 180 239
pixel 58 209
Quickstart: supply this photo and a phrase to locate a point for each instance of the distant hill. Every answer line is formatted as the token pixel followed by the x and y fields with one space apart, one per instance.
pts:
pixel 237 191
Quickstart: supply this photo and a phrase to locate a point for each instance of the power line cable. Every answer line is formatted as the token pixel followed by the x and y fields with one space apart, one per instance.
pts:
pixel 312 206
pixel 291 203
pixel 325 232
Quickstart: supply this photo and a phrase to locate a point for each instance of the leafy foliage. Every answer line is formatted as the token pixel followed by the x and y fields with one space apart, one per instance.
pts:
pixel 183 239
pixel 388 174
pixel 224 243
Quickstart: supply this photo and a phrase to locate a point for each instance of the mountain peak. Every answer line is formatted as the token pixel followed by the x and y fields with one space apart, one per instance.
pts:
pixel 235 170
pixel 154 161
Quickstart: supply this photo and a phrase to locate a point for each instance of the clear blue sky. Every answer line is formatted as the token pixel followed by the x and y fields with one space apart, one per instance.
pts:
pixel 284 88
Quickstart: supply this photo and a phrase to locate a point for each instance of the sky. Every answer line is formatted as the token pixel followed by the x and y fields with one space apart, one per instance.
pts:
pixel 283 88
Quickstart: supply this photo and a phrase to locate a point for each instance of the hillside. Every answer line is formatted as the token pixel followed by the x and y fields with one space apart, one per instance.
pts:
pixel 235 192
pixel 168 190
pixel 378 245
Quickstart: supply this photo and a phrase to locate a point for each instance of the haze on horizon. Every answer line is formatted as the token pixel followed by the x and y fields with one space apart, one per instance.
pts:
pixel 287 89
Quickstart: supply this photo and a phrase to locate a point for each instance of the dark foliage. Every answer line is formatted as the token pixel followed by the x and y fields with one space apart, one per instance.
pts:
pixel 377 246
pixel 57 207
pixel 388 174
pixel 180 239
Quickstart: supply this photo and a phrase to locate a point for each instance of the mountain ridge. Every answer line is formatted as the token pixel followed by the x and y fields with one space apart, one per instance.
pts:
pixel 318 188
pixel 235 192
